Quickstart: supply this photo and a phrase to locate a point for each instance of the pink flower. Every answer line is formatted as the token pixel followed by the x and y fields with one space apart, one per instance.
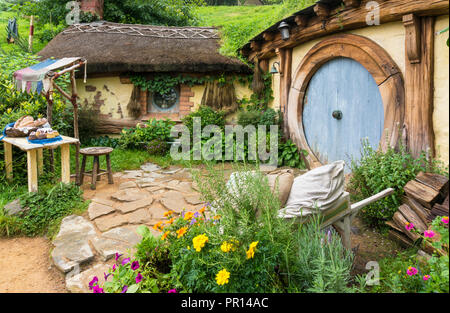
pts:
pixel 426 277
pixel 138 278
pixel 172 291
pixel 125 261
pixel 93 282
pixel 411 271
pixel 118 256
pixel 97 289
pixel 124 289
pixel 409 226
pixel 114 267
pixel 135 265
pixel 429 233
pixel 444 219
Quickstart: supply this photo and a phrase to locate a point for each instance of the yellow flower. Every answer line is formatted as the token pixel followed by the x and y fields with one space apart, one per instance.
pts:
pixel 226 247
pixel 202 210
pixel 158 226
pixel 188 216
pixel 217 217
pixel 181 232
pixel 222 277
pixel 170 221
pixel 189 247
pixel 199 242
pixel 169 213
pixel 163 237
pixel 251 250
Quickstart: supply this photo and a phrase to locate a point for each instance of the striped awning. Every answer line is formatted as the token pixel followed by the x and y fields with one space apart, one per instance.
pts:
pixel 34 78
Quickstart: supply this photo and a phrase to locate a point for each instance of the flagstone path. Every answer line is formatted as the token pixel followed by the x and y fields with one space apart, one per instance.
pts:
pixel 85 245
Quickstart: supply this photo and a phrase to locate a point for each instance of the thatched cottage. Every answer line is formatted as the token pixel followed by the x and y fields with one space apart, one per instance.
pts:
pixel 117 52
pixel 352 69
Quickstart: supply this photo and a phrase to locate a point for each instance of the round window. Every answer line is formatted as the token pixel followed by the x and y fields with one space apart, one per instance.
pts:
pixel 166 101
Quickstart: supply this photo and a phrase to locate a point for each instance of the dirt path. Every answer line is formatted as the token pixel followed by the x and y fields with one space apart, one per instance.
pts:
pixel 25 267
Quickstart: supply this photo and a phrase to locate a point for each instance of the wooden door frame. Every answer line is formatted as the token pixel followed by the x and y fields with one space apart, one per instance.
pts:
pixel 375 60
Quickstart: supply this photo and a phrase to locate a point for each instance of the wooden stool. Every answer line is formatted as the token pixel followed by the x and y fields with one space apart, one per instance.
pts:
pixel 96 172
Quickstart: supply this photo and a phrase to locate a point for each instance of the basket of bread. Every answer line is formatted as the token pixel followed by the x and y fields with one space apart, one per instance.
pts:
pixel 25 126
pixel 43 133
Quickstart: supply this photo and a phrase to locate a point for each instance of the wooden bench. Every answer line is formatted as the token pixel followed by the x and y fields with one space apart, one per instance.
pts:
pixel 96 172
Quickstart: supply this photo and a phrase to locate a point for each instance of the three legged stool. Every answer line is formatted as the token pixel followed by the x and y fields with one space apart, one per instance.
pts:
pixel 96 172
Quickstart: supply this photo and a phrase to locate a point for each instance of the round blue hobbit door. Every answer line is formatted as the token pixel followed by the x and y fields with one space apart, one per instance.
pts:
pixel 342 107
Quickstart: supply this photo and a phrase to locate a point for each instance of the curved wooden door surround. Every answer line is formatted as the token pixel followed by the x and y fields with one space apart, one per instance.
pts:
pixel 378 63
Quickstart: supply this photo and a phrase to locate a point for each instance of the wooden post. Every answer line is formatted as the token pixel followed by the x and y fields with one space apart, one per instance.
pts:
pixel 419 83
pixel 40 161
pixel 75 126
pixel 32 171
pixel 49 98
pixel 65 163
pixel 30 39
pixel 8 161
pixel 287 81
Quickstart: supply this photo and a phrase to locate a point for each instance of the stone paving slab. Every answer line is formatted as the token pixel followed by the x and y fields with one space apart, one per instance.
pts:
pixel 73 250
pixel 123 234
pixel 80 282
pixel 127 185
pixel 150 167
pixel 129 195
pixel 135 205
pixel 96 210
pixel 173 200
pixel 74 225
pixel 107 248
pixel 103 201
pixel 138 217
pixel 107 222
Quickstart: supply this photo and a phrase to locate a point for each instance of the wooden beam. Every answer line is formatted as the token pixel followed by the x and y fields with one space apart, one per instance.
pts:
pixel 268 36
pixel 301 20
pixel 286 86
pixel 255 45
pixel 352 3
pixel 357 206
pixel 322 11
pixel 65 163
pixel 348 19
pixel 412 33
pixel 419 77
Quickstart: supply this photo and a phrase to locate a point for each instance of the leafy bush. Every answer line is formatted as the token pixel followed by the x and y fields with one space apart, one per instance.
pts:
pixel 102 141
pixel 289 155
pixel 379 170
pixel 46 209
pixel 48 31
pixel 140 136
pixel 208 117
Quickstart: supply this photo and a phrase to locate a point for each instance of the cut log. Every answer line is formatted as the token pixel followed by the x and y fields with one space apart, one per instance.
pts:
pixel 439 210
pixel 393 225
pixel 437 182
pixel 412 217
pixel 421 211
pixel 401 221
pixel 427 196
pixel 400 238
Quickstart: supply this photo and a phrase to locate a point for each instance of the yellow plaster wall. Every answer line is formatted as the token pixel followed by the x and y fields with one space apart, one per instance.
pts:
pixel 109 90
pixel 114 94
pixel 441 90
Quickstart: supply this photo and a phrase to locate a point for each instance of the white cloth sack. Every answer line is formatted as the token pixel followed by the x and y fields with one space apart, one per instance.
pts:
pixel 318 189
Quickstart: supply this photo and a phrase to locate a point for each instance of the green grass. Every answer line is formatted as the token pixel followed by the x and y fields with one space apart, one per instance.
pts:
pixel 239 24
pixel 24 31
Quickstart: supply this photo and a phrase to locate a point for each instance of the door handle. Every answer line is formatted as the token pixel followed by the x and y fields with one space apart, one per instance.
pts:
pixel 337 114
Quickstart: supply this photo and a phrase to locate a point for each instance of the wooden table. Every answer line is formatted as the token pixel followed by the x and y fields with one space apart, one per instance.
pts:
pixel 35 159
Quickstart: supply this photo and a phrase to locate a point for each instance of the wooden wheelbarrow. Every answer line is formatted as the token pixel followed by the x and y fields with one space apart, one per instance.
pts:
pixel 343 212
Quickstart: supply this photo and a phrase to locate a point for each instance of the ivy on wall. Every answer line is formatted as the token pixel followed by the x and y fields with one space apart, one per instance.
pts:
pixel 164 83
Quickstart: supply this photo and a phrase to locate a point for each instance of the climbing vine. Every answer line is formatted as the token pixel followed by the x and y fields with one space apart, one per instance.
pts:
pixel 164 83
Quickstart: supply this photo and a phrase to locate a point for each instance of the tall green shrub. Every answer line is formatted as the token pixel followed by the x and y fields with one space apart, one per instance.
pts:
pixel 379 170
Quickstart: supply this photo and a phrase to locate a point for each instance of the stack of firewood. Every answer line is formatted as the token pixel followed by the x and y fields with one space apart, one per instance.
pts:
pixel 426 197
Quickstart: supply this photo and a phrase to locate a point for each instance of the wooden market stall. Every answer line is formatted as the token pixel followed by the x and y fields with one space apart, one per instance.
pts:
pixel 42 78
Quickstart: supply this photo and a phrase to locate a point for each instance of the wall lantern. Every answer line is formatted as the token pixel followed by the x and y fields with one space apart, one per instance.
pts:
pixel 284 30
pixel 274 70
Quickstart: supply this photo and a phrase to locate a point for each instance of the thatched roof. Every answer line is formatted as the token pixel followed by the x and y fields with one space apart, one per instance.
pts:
pixel 111 47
